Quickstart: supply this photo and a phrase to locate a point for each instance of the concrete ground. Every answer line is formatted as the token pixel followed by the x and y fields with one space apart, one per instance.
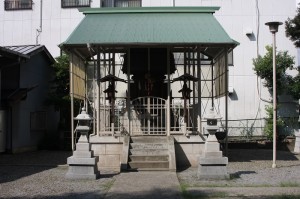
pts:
pixel 41 175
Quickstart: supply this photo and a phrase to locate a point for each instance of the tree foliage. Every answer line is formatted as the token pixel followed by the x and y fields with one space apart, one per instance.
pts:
pixel 292 28
pixel 293 86
pixel 58 94
pixel 263 67
pixel 60 85
pixel 268 129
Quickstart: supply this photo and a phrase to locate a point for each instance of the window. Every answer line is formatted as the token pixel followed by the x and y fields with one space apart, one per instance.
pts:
pixel 121 3
pixel 230 58
pixel 75 3
pixel 38 121
pixel 18 4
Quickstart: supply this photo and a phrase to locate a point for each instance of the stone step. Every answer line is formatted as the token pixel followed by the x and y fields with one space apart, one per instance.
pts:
pixel 148 152
pixel 134 158
pixel 148 145
pixel 149 139
pixel 149 164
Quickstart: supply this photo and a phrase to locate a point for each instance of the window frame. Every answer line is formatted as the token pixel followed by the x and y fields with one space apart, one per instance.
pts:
pixel 114 3
pixel 10 5
pixel 230 60
pixel 74 5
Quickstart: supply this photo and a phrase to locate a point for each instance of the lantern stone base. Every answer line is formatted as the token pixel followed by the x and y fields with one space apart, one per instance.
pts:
pixel 212 166
pixel 82 165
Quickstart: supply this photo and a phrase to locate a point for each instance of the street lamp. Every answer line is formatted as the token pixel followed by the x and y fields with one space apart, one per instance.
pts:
pixel 273 26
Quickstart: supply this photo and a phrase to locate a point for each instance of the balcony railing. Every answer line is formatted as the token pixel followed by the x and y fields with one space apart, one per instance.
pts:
pixel 18 4
pixel 75 3
pixel 121 3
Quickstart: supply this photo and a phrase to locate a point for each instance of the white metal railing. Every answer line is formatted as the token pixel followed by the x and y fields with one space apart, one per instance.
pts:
pixel 148 116
pixel 114 123
pixel 179 120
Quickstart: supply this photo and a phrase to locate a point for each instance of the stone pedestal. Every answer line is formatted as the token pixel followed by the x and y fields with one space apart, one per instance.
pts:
pixel 297 142
pixel 212 164
pixel 82 165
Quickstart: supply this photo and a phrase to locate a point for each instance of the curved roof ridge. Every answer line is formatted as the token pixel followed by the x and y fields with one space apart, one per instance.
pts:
pixel 202 9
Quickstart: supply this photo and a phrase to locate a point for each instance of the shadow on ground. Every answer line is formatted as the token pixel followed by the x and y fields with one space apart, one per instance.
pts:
pixel 244 155
pixel 152 194
pixel 15 166
pixel 82 195
pixel 196 194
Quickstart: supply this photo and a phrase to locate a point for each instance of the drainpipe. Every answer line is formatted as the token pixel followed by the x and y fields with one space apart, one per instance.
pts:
pixel 72 101
pixel 173 3
pixel 39 31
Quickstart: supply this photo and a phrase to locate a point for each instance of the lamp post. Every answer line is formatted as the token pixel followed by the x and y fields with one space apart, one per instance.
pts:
pixel 273 26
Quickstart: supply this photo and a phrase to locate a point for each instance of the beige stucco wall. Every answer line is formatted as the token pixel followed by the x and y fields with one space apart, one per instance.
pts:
pixel 109 151
pixel 188 150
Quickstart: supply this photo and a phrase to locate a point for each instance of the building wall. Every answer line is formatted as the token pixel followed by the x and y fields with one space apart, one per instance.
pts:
pixel 246 104
pixel 35 72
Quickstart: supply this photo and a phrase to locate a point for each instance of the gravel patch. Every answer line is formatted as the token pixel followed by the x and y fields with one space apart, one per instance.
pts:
pixel 252 168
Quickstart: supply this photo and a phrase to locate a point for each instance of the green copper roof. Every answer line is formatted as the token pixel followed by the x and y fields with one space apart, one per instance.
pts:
pixel 153 26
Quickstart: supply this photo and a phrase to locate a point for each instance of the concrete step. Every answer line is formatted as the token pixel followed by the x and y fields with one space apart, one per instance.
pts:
pixel 148 145
pixel 149 164
pixel 138 158
pixel 148 152
pixel 148 169
pixel 149 139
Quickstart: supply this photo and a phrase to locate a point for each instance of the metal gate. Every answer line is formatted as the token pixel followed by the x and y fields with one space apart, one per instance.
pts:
pixel 148 116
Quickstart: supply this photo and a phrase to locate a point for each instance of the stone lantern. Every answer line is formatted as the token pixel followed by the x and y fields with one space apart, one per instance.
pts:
pixel 82 165
pixel 83 127
pixel 212 164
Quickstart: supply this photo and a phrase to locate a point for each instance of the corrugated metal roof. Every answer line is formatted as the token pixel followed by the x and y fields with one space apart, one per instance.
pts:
pixel 173 25
pixel 27 50
pixel 24 49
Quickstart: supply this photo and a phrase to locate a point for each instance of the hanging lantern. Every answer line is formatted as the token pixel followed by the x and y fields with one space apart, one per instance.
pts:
pixel 110 91
pixel 185 91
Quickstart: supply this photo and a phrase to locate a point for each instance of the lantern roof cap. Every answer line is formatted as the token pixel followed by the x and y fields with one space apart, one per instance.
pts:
pixel 83 115
pixel 212 114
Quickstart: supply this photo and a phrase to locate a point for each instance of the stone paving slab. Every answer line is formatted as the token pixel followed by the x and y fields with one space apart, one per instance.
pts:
pixel 145 185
